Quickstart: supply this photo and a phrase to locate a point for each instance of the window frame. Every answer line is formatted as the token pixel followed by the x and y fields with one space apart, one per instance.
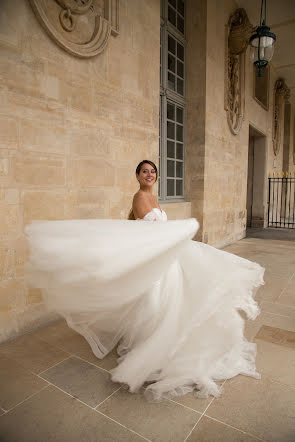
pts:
pixel 168 95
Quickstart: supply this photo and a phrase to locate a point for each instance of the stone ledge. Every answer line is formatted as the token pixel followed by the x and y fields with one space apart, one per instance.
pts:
pixel 177 209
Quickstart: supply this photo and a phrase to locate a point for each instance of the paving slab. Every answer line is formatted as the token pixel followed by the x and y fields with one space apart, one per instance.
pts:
pixel 54 416
pixel 62 336
pixel 164 421
pixel 209 430
pixel 261 407
pixel 272 234
pixel 32 353
pixel 276 362
pixel 16 383
pixel 82 380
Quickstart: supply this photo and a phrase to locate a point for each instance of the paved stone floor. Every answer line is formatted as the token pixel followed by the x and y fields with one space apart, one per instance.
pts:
pixel 52 388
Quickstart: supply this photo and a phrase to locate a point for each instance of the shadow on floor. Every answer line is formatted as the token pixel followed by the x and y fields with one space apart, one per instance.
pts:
pixel 271 233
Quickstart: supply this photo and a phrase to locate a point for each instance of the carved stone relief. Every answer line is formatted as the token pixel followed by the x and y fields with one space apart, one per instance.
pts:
pixel 281 94
pixel 81 27
pixel 238 33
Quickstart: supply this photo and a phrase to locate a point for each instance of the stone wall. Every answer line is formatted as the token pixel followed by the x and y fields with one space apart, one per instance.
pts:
pixel 71 133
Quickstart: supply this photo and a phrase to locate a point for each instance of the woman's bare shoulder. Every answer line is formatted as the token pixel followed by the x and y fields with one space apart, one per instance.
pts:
pixel 140 196
pixel 141 204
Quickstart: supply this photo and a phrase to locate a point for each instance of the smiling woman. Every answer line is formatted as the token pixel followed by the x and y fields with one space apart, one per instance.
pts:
pixel 144 200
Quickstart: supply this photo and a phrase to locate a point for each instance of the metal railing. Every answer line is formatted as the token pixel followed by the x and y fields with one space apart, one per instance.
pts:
pixel 281 200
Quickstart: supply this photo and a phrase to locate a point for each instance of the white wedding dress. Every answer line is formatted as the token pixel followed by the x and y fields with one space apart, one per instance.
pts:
pixel 172 304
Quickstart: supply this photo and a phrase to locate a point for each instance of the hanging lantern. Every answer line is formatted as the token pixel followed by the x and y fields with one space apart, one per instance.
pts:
pixel 262 43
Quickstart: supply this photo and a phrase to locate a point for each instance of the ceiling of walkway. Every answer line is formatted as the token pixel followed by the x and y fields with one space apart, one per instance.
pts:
pixel 280 17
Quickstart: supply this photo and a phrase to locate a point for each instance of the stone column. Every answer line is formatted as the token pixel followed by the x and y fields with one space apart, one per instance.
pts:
pixel 196 107
pixel 286 141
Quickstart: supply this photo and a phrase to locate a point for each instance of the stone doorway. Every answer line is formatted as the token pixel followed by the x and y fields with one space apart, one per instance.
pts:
pixel 256 183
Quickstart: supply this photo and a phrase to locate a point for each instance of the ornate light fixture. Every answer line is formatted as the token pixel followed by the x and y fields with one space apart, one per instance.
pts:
pixel 262 43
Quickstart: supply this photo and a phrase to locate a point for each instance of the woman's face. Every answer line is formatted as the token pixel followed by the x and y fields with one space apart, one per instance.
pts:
pixel 147 175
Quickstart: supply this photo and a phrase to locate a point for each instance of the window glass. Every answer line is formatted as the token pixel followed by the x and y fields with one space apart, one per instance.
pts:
pixel 171 45
pixel 179 151
pixel 179 133
pixel 180 86
pixel 171 111
pixel 180 51
pixel 171 81
pixel 170 149
pixel 179 187
pixel 180 24
pixel 179 169
pixel 170 130
pixel 170 187
pixel 171 63
pixel 172 16
pixel 170 168
pixel 179 115
pixel 176 14
pixel 180 69
pixel 180 7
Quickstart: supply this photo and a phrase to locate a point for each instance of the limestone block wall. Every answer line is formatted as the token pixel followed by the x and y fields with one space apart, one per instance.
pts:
pixel 177 210
pixel 71 133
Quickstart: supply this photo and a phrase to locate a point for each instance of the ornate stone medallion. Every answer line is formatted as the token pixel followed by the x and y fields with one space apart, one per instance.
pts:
pixel 81 27
pixel 238 32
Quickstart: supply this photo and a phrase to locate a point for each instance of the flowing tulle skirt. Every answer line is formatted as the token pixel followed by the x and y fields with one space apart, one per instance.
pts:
pixel 172 304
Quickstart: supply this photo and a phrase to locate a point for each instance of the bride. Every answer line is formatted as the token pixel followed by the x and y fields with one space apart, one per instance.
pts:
pixel 172 305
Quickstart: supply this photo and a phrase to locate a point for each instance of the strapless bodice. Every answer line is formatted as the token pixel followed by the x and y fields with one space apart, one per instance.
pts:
pixel 155 215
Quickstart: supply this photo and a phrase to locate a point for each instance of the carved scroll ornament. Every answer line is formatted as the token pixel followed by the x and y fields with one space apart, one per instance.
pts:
pixel 81 27
pixel 239 30
pixel 281 94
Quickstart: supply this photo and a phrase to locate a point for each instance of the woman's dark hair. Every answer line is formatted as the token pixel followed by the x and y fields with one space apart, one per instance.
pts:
pixel 139 166
pixel 138 169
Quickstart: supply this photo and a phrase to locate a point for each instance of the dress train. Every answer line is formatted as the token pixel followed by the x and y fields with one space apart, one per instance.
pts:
pixel 172 304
